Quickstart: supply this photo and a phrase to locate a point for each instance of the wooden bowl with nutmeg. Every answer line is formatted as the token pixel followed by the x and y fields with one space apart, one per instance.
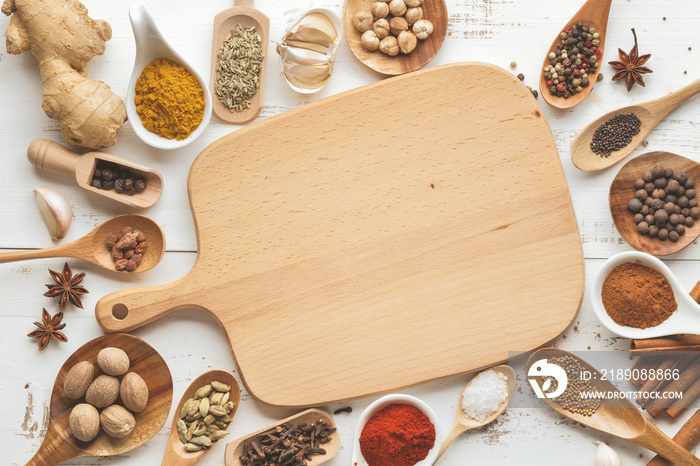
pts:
pixel 112 395
pixel 395 36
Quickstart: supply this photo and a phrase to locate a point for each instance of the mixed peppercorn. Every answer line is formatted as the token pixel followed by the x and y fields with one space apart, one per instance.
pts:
pixel 112 176
pixel 574 60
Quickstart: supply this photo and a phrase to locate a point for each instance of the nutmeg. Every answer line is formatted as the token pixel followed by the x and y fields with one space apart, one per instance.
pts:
pixel 117 421
pixel 103 391
pixel 78 380
pixel 134 392
pixel 113 361
pixel 84 422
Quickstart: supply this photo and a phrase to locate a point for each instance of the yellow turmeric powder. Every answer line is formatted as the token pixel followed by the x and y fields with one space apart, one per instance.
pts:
pixel 169 100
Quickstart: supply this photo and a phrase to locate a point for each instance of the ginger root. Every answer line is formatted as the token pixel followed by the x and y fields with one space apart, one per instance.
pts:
pixel 63 39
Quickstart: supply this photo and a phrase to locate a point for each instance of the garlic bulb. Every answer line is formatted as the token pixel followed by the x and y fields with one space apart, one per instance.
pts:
pixel 307 51
pixel 55 210
pixel 606 456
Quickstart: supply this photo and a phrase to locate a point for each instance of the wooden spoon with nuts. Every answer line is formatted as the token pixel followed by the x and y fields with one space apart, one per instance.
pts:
pixel 176 452
pixel 60 445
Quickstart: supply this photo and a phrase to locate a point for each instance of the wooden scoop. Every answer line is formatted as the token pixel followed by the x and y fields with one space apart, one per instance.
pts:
pixel 244 14
pixel 464 423
pixel 91 247
pixel 59 444
pixel 649 113
pixel 234 449
pixel 622 191
pixel 175 452
pixel 53 157
pixel 618 416
pixel 593 13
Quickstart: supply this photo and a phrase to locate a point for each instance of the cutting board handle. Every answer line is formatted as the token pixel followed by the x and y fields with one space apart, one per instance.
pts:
pixel 125 310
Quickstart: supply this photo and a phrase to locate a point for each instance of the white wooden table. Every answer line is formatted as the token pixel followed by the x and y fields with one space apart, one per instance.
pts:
pixel 495 31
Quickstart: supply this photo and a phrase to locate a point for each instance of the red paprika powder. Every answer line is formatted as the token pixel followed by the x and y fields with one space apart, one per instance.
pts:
pixel 398 435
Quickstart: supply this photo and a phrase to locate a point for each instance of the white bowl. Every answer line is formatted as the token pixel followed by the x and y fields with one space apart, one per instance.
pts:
pixel 383 402
pixel 686 319
pixel 151 45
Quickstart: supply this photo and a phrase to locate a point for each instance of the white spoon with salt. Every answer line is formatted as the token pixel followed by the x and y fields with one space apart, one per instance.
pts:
pixel 465 423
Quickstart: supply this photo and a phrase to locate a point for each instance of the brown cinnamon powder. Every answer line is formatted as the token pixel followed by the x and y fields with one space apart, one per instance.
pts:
pixel 638 296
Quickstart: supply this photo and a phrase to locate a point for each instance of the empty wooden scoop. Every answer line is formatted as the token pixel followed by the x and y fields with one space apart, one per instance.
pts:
pixel 593 13
pixel 616 415
pixel 59 444
pixel 234 449
pixel 91 247
pixel 649 113
pixel 464 423
pixel 622 192
pixel 53 157
pixel 175 452
pixel 244 14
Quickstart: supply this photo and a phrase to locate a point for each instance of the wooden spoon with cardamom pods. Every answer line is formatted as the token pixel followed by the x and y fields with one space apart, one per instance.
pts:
pixel 205 387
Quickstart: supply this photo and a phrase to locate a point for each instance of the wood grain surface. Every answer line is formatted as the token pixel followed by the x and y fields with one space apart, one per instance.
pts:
pixel 417 240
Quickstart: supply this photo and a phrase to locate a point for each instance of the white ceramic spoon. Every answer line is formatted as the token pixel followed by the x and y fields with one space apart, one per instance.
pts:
pixel 151 45
pixel 686 319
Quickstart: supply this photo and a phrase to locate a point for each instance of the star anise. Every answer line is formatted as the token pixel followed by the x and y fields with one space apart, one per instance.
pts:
pixel 50 328
pixel 67 287
pixel 630 66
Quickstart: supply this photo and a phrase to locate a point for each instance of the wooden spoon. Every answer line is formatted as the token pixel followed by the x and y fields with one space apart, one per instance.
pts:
pixel 649 113
pixel 593 13
pixel 434 11
pixel 175 452
pixel 91 247
pixel 244 14
pixel 234 449
pixel 622 191
pixel 616 415
pixel 59 444
pixel 53 157
pixel 464 423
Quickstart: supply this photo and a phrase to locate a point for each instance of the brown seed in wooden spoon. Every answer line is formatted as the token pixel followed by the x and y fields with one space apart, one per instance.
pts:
pixel 593 13
pixel 464 423
pixel 650 113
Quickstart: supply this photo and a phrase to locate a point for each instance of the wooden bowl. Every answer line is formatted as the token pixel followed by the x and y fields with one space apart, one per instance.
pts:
pixel 433 10
pixel 60 445
pixel 622 191
pixel 234 449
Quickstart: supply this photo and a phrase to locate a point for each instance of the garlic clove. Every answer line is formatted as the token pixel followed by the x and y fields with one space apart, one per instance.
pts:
pixel 606 456
pixel 307 77
pixel 55 210
pixel 320 48
pixel 302 56
pixel 314 27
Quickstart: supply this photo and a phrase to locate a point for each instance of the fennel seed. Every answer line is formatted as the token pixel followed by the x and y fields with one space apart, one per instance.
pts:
pixel 238 68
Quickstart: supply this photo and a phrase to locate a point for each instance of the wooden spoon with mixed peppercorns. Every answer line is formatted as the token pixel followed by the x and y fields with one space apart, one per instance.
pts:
pixel 593 14
pixel 92 247
pixel 649 113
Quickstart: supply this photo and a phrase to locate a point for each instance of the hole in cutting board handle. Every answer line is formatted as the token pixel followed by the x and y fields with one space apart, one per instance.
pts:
pixel 120 311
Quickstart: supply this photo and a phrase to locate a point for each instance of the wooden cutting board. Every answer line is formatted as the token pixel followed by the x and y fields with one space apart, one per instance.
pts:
pixel 409 230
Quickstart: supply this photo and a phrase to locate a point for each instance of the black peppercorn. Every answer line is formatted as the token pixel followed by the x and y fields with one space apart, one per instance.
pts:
pixel 128 184
pixel 97 173
pixel 119 185
pixel 140 184
pixel 107 175
pixel 521 76
pixel 96 184
pixel 107 184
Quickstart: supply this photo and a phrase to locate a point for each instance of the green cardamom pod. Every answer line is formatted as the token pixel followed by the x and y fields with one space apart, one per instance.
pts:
pixel 224 398
pixel 218 435
pixel 201 428
pixel 190 431
pixel 185 408
pixel 229 406
pixel 220 425
pixel 193 417
pixel 182 430
pixel 201 440
pixel 225 418
pixel 204 406
pixel 217 410
pixel 209 419
pixel 191 447
pixel 215 398
pixel 212 428
pixel 193 407
pixel 203 392
pixel 220 387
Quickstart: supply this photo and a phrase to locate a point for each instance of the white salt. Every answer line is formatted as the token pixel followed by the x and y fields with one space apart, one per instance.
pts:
pixel 484 395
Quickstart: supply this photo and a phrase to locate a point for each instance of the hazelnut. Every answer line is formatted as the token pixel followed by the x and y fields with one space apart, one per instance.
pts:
pixel 397 7
pixel 117 421
pixel 407 42
pixel 422 29
pixel 379 10
pixel 113 361
pixel 413 3
pixel 381 28
pixel 398 25
pixel 363 21
pixel 369 40
pixel 78 380
pixel 134 392
pixel 413 15
pixel 103 391
pixel 84 422
pixel 389 45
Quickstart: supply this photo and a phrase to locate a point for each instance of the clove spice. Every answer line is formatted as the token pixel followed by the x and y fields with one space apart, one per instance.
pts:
pixel 287 445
